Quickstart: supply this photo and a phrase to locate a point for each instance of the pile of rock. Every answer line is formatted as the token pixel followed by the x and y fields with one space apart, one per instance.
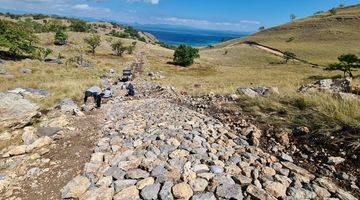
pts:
pixel 340 87
pixel 154 149
pixel 328 85
pixel 257 91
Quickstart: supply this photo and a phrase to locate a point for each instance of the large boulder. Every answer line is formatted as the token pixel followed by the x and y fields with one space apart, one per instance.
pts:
pixel 15 110
pixel 67 106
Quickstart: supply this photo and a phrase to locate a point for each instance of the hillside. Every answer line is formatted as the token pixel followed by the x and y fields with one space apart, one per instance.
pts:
pixel 319 39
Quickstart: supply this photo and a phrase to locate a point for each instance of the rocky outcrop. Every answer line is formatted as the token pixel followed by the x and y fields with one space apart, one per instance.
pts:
pixel 328 85
pixel 30 92
pixel 15 110
pixel 257 91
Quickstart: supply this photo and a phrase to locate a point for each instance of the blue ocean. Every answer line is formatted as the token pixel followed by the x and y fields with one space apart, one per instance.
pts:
pixel 190 37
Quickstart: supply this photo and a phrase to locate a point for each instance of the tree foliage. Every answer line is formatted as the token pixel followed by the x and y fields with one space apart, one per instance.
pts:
pixel 185 55
pixel 288 56
pixel 60 37
pixel 118 48
pixel 348 63
pixel 333 11
pixel 79 26
pixel 16 38
pixel 292 17
pixel 93 42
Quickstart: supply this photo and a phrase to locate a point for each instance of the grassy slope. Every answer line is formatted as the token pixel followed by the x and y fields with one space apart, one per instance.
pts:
pixel 320 38
pixel 65 80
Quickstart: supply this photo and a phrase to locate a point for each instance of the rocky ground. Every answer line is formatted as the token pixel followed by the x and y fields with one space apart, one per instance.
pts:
pixel 160 144
pixel 153 148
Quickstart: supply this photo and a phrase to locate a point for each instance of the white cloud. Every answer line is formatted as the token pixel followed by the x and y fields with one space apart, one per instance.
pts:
pixel 146 1
pixel 82 7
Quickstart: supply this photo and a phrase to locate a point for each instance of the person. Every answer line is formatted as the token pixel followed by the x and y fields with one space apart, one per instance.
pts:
pixel 96 93
pixel 131 90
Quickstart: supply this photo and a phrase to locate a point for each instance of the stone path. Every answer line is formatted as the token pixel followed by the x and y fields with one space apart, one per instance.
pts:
pixel 154 149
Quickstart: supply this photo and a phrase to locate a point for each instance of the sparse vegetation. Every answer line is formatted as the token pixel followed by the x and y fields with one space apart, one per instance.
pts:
pixel 348 63
pixel 93 42
pixel 118 48
pixel 60 37
pixel 261 28
pixel 79 26
pixel 333 11
pixel 288 56
pixel 185 55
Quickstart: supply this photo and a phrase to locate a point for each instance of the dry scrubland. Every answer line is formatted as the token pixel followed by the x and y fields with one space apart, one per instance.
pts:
pixel 220 69
pixel 65 80
pixel 319 39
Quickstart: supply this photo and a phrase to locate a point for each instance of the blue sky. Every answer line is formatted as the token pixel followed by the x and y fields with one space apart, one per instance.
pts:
pixel 236 15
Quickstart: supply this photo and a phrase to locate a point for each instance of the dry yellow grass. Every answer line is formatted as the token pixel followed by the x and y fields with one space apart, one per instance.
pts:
pixel 64 80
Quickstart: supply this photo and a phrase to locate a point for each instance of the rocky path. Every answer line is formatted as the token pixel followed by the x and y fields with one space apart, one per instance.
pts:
pixel 41 173
pixel 152 148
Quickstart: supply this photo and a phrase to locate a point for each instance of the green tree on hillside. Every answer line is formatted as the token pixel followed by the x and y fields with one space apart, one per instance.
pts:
pixel 261 28
pixel 131 48
pixel 333 11
pixel 347 64
pixel 79 26
pixel 118 48
pixel 16 38
pixel 60 37
pixel 184 55
pixel 288 56
pixel 93 42
pixel 292 17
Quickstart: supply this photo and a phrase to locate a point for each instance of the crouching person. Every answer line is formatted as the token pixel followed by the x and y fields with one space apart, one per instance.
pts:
pixel 96 93
pixel 130 90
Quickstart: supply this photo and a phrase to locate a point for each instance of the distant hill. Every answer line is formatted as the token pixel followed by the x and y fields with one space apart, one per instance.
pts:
pixel 319 39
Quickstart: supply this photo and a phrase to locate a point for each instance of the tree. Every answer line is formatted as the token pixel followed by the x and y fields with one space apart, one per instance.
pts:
pixel 131 48
pixel 118 48
pixel 184 55
pixel 261 28
pixel 288 56
pixel 79 26
pixel 93 42
pixel 348 62
pixel 333 11
pixel 60 37
pixel 292 17
pixel 16 38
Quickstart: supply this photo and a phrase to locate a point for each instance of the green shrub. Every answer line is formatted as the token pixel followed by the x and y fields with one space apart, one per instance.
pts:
pixel 118 48
pixel 79 26
pixel 288 56
pixel 184 55
pixel 55 25
pixel 60 37
pixel 93 42
pixel 16 38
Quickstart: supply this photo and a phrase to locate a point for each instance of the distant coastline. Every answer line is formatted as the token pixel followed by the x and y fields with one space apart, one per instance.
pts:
pixel 192 37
